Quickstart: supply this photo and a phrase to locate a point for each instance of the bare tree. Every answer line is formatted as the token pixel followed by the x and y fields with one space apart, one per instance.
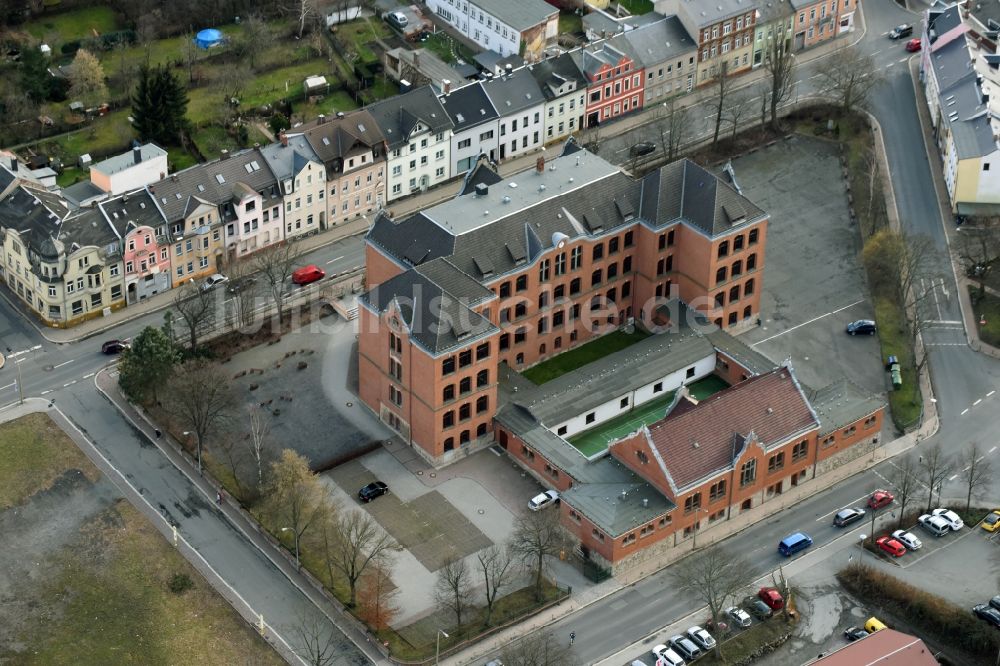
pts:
pixel 453 588
pixel 241 281
pixel 255 38
pixel 275 264
pixel 540 648
pixel 976 471
pixel 715 576
pixel 496 566
pixel 194 305
pixel 354 542
pixel 296 499
pixel 190 50
pixel 850 75
pixel 737 111
pixel 315 640
pixel 305 10
pixel 978 248
pixel 258 439
pixel 779 62
pixel 936 467
pixel 905 479
pixel 763 91
pixel 721 90
pixel 673 124
pixel 235 455
pixel 537 535
pixel 200 395
pixel 375 596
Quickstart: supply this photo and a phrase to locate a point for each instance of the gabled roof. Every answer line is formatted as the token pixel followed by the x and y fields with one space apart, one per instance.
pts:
pixel 520 14
pixel 128 211
pixel 707 12
pixel 591 59
pixel 656 43
pixel 942 22
pixel 553 73
pixel 399 115
pixel 287 161
pixel 336 138
pixel 961 100
pixel 469 106
pixel 515 92
pixel 87 227
pixel 35 214
pixel 699 442
pixel 883 648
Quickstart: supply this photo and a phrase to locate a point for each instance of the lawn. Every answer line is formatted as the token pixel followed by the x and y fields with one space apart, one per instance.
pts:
pixel 212 139
pixel 70 175
pixel 360 35
pixel 905 402
pixel 57 29
pixel 340 100
pixel 582 355
pixel 594 441
pixel 34 451
pixel 570 23
pixel 637 6
pixel 442 45
pixel 987 307
pixel 745 645
pixel 105 136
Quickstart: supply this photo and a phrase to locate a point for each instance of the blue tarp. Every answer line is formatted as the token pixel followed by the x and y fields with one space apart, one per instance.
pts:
pixel 208 38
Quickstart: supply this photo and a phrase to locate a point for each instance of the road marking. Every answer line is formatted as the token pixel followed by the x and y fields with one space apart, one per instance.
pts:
pixel 45 392
pixel 902 60
pixel 953 477
pixel 944 322
pixel 880 50
pixel 8 386
pixel 342 256
pixel 943 344
pixel 964 411
pixel 69 383
pixel 989 394
pixel 776 335
pixel 992 450
pixel 846 506
pixel 977 402
pixel 90 375
pixel 64 363
pixel 24 351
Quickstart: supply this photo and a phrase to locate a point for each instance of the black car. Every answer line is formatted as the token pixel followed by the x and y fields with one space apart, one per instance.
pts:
pixel 845 517
pixel 757 608
pixel 855 633
pixel 373 490
pixel 114 346
pixel 643 148
pixel 995 602
pixel 861 327
pixel 901 31
pixel 988 613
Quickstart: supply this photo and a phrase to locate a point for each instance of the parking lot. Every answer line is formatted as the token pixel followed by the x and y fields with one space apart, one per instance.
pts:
pixel 814 284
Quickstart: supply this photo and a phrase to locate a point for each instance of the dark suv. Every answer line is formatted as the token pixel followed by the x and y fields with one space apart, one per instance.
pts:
pixel 373 490
pixel 901 31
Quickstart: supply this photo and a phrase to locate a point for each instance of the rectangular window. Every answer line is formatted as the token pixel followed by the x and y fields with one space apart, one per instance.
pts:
pixel 776 462
pixel 748 473
pixel 800 451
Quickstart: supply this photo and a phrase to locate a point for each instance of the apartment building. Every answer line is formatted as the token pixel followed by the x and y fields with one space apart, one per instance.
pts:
pixel 723 30
pixel 520 104
pixel 614 82
pixel 476 122
pixel 535 264
pixel 353 151
pixel 816 21
pixel 667 55
pixel 522 28
pixel 301 177
pixel 565 91
pixel 417 133
pixel 137 223
pixel 774 22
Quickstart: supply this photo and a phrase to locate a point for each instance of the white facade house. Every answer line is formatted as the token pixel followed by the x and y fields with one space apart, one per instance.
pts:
pixel 521 27
pixel 130 171
pixel 417 133
pixel 565 91
pixel 521 105
pixel 477 127
pixel 302 179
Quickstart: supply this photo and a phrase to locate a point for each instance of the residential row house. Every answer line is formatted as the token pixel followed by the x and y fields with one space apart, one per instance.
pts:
pixel 521 107
pixel 476 126
pixel 522 28
pixel 615 82
pixel 773 30
pixel 513 271
pixel 667 55
pixel 145 247
pixel 301 180
pixel 818 21
pixel 565 91
pixel 723 31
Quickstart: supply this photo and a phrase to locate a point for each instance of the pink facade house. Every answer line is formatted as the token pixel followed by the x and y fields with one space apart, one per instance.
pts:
pixel 140 228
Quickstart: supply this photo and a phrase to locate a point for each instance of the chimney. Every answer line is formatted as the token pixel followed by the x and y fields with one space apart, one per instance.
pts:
pixel 256 145
pixel 224 155
pixel 447 86
pixel 137 155
pixel 13 163
pixel 509 68
pixel 284 139
pixel 540 164
pixel 482 189
pixel 321 119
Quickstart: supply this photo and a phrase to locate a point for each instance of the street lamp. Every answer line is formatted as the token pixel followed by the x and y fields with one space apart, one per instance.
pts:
pixel 437 652
pixel 17 368
pixel 289 529
pixel 861 546
pixel 188 433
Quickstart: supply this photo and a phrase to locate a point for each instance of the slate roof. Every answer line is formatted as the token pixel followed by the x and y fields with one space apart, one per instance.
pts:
pixel 338 138
pixel 520 15
pixel 484 172
pixel 747 356
pixel 87 227
pixel 7 177
pixel 287 161
pixel 591 59
pixel 126 160
pixel 842 403
pixel 771 11
pixel 430 65
pixel 657 43
pixel 468 106
pixel 212 183
pixel 126 212
pixel 34 214
pixel 618 503
pixel 700 442
pixel 398 115
pixel 961 101
pixel 434 301
pixel 494 62
pixel 943 22
pixel 552 73
pixel 514 93
pixel 82 193
pixel 706 12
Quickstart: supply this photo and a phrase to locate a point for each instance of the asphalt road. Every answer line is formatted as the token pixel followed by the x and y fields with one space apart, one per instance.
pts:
pixel 963 380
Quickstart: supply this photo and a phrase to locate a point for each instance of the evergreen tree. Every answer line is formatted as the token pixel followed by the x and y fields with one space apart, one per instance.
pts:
pixel 147 364
pixel 159 105
pixel 36 82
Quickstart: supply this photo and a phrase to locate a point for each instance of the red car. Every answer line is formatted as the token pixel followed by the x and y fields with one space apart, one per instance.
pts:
pixel 771 597
pixel 308 274
pixel 913 45
pixel 891 546
pixel 880 498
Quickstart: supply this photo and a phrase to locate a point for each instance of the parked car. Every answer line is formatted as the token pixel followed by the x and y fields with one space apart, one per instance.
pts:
pixel 643 148
pixel 908 539
pixel 373 490
pixel 757 608
pixel 240 284
pixel 308 274
pixel 213 281
pixel 874 624
pixel 738 616
pixel 666 656
pixel 992 521
pixel 954 522
pixel 880 498
pixel 685 647
pixel 702 638
pixel 891 546
pixel 936 525
pixel 995 602
pixel 855 633
pixel 913 45
pixel 987 613
pixel 548 498
pixel 397 19
pixel 771 597
pixel 114 346
pixel 900 31
pixel 861 327
pixel 845 517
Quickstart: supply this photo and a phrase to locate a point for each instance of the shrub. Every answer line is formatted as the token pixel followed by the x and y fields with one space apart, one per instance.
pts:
pixel 180 583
